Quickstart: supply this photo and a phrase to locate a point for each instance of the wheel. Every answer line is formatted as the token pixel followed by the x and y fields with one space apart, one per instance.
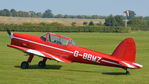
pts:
pixel 24 65
pixel 41 64
pixel 127 73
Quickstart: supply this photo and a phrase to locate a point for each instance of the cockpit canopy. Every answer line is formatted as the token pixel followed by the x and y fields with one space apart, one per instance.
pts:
pixel 58 39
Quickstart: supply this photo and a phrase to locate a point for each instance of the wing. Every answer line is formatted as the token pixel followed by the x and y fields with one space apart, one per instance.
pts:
pixel 41 53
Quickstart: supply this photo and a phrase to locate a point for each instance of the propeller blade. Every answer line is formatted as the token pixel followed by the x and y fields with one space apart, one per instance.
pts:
pixel 9 32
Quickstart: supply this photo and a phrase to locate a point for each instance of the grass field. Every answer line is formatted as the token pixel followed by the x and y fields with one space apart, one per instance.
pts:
pixel 65 21
pixel 75 73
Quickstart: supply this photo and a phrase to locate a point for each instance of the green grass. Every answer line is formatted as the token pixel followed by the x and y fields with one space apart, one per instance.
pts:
pixel 65 21
pixel 75 73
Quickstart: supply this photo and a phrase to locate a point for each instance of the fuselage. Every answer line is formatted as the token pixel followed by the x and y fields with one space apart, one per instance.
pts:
pixel 70 52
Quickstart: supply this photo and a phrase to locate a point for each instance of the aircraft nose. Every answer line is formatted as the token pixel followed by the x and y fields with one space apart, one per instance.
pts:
pixel 9 33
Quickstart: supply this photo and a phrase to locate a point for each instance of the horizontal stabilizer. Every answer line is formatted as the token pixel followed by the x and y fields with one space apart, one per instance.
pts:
pixel 131 65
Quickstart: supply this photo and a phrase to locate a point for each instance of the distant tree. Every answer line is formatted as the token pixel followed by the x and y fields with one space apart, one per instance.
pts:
pixel 20 13
pixel 91 23
pixel 59 16
pixel 100 23
pixel 2 13
pixel 26 14
pixel 39 14
pixel 110 21
pixel 82 16
pixel 136 21
pixel 13 12
pixel 65 16
pixel 85 23
pixel 119 20
pixel 147 22
pixel 48 14
pixel 73 23
pixel 72 16
pixel 32 13
pixel 56 24
pixel 131 14
pixel 146 18
pixel 140 17
pixel 6 12
pixel 114 20
pixel 102 17
pixel 89 17
pixel 94 16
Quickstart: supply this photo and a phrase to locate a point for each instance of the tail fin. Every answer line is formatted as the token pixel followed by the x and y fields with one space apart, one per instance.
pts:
pixel 126 50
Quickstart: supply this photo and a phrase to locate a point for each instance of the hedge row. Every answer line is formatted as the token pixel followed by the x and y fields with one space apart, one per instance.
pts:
pixel 142 28
pixel 48 28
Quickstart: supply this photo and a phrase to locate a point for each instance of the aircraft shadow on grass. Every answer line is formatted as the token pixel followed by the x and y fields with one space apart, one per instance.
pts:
pixel 105 73
pixel 56 67
pixel 47 67
pixel 114 73
pixel 83 71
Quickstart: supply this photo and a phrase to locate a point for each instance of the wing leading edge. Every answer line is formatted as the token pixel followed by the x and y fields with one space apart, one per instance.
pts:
pixel 41 53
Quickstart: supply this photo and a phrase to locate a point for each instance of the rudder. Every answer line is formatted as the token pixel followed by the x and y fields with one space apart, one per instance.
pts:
pixel 126 50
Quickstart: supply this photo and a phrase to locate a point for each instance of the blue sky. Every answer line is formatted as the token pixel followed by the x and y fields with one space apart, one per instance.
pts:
pixel 80 7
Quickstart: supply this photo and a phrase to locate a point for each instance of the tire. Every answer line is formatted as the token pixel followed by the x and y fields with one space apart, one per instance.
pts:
pixel 24 65
pixel 127 73
pixel 41 64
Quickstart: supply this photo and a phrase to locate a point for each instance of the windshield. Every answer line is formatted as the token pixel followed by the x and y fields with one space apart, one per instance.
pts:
pixel 72 43
pixel 57 40
pixel 43 37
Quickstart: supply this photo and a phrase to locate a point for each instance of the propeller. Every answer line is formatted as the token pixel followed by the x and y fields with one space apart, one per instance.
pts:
pixel 9 32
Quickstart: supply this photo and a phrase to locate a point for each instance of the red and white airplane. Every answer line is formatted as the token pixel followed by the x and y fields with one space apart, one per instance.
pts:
pixel 64 49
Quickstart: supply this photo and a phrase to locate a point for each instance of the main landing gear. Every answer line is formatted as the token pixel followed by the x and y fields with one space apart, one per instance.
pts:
pixel 42 63
pixel 127 72
pixel 25 64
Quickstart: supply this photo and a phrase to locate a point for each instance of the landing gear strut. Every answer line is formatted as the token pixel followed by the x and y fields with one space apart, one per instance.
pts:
pixel 25 64
pixel 127 72
pixel 42 63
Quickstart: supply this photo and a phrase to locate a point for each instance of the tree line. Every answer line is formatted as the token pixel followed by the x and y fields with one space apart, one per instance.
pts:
pixel 57 27
pixel 46 14
pixel 135 23
pixel 119 21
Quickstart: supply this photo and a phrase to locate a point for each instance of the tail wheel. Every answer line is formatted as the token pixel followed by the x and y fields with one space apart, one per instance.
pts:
pixel 24 65
pixel 41 64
